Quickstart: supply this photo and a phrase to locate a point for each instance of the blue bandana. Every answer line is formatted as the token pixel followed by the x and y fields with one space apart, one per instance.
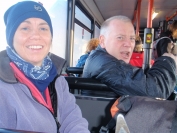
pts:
pixel 39 76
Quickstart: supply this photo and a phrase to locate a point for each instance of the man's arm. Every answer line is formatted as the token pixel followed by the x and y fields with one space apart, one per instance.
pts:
pixel 125 79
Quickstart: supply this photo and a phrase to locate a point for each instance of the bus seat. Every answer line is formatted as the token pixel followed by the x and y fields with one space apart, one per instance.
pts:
pixel 85 83
pixel 89 86
pixel 74 70
pixel 96 110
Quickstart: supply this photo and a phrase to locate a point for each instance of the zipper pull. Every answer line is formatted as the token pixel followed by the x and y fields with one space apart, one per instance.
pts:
pixel 58 124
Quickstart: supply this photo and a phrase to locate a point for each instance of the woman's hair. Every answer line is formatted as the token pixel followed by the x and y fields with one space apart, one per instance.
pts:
pixel 173 26
pixel 138 44
pixel 92 44
pixel 105 25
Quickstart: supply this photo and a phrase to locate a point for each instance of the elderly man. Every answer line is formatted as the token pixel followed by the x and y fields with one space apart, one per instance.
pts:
pixel 109 63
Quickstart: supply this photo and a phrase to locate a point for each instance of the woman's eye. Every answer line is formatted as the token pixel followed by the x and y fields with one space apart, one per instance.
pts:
pixel 43 29
pixel 25 28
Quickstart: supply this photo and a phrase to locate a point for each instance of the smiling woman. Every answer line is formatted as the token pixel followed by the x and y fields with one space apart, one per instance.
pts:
pixel 30 76
pixel 56 10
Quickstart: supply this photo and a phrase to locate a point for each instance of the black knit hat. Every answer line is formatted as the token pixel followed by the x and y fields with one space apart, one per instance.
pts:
pixel 21 11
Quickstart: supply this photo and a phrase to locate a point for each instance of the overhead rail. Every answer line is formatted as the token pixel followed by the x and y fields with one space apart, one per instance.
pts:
pixel 171 17
pixel 136 16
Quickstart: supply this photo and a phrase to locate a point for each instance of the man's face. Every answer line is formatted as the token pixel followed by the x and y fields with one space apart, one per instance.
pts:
pixel 119 40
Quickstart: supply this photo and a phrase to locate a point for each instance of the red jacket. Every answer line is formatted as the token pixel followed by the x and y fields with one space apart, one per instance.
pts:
pixel 137 59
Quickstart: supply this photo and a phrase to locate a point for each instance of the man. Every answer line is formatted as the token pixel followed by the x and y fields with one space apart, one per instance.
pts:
pixel 109 63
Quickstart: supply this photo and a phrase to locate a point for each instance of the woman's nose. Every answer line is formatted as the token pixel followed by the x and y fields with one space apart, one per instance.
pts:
pixel 35 34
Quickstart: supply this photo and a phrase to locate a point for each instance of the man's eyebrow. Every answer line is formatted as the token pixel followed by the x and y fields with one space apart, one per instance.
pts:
pixel 121 35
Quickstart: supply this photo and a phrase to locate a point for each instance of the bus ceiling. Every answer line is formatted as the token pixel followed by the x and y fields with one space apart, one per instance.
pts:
pixel 133 8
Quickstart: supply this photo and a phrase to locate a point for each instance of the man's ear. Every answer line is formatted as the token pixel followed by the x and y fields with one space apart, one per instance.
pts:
pixel 102 39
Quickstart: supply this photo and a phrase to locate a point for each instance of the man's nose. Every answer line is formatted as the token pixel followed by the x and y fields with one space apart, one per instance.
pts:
pixel 127 42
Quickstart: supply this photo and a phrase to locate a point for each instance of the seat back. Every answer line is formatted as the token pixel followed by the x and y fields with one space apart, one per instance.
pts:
pixel 96 109
pixel 73 71
pixel 89 86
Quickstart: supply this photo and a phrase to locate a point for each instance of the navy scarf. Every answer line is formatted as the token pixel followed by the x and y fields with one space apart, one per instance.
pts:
pixel 39 76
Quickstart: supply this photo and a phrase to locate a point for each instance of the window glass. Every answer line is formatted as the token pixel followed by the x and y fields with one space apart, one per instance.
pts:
pixel 58 14
pixel 82 17
pixel 81 37
pixel 97 31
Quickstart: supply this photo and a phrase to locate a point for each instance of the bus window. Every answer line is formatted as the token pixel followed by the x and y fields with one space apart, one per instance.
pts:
pixel 82 17
pixel 81 37
pixel 82 33
pixel 97 31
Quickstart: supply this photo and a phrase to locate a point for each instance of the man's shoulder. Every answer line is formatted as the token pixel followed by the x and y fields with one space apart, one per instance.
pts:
pixel 98 61
pixel 99 56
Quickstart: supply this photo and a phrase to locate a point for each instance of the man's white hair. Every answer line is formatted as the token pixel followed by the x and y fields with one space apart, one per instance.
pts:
pixel 105 24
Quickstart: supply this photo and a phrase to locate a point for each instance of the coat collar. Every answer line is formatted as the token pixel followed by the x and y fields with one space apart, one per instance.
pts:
pixel 6 72
pixel 100 48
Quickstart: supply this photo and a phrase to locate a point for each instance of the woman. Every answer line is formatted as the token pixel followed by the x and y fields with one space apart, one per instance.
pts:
pixel 33 96
pixel 92 44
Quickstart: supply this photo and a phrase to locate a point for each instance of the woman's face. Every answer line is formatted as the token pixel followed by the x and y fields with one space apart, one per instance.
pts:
pixel 32 40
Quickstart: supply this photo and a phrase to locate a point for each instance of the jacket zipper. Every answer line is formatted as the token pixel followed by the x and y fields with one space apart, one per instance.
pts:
pixel 55 117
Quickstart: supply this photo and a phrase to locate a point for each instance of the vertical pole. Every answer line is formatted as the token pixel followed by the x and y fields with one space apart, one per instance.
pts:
pixel 70 32
pixel 148 38
pixel 150 11
pixel 138 18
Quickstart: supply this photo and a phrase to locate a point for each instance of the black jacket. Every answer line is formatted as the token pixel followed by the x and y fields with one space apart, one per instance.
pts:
pixel 124 79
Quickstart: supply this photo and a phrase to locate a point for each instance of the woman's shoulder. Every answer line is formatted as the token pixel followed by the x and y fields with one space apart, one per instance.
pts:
pixel 61 81
pixel 58 62
pixel 84 56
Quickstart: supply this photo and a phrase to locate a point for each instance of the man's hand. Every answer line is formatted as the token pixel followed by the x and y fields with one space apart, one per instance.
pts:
pixel 172 56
